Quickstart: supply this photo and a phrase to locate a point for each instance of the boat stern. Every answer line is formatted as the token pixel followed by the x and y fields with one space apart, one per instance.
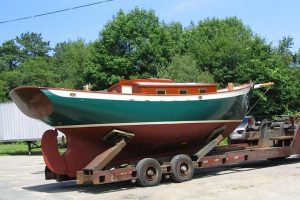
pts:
pixel 32 102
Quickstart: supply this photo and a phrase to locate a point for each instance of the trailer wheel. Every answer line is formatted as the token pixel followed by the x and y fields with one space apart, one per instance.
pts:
pixel 182 168
pixel 149 172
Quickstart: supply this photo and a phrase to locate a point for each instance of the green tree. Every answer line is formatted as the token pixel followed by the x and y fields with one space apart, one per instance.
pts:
pixel 265 64
pixel 9 55
pixel 219 46
pixel 10 79
pixel 232 53
pixel 37 72
pixel 285 44
pixel 71 60
pixel 284 49
pixel 32 45
pixel 174 40
pixel 3 90
pixel 297 58
pixel 131 45
pixel 184 69
pixel 24 61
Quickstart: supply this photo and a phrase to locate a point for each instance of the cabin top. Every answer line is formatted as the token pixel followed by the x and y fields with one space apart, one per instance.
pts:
pixel 161 87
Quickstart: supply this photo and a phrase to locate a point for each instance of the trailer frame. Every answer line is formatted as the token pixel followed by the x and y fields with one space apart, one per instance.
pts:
pixel 210 155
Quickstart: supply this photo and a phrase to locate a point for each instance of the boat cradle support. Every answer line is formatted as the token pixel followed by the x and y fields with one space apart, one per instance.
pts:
pixel 94 172
pixel 211 143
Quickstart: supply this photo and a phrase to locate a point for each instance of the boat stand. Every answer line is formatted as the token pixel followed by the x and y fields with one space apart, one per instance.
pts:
pixel 207 148
pixel 211 144
pixel 94 172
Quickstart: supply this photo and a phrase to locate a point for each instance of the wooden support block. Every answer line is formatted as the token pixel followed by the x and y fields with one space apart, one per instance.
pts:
pixel 205 150
pixel 104 158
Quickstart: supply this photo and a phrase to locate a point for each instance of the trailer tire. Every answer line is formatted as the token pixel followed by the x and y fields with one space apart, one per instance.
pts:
pixel 149 172
pixel 182 168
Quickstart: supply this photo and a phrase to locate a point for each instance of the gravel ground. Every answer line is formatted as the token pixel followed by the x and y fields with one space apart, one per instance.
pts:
pixel 22 177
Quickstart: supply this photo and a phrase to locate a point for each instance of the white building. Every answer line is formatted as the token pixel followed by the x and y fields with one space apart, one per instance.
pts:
pixel 16 126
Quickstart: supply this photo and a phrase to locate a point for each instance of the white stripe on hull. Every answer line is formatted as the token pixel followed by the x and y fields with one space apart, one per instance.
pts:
pixel 147 123
pixel 240 90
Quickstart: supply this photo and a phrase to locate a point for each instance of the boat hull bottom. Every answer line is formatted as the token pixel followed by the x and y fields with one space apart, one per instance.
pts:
pixel 150 140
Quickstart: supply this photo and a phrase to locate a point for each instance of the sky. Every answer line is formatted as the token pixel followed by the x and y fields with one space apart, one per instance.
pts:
pixel 271 19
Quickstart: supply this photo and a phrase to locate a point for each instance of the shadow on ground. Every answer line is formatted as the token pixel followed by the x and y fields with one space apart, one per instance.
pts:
pixel 127 185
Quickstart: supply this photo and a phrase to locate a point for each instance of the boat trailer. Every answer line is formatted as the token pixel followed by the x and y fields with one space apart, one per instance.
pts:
pixel 149 171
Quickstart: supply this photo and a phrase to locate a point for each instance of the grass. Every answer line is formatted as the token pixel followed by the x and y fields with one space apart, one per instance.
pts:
pixel 17 148
pixel 21 148
pixel 224 141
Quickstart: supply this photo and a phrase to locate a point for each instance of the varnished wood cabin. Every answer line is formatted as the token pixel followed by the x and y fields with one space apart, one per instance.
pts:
pixel 161 87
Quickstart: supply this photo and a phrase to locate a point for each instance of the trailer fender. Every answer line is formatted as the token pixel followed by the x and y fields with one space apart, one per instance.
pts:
pixel 54 161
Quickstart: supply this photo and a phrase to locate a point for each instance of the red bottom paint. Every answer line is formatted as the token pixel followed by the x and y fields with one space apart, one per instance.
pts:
pixel 84 144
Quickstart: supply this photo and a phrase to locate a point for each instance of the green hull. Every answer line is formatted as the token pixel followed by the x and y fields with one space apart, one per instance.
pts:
pixel 79 111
